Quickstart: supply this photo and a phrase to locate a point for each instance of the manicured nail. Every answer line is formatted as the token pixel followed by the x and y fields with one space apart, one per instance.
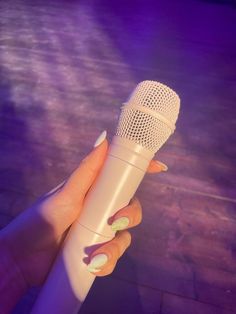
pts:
pixel 93 270
pixel 96 262
pixel 100 139
pixel 120 223
pixel 163 166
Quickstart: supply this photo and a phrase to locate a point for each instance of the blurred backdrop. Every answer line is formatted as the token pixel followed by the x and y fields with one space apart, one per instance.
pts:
pixel 66 67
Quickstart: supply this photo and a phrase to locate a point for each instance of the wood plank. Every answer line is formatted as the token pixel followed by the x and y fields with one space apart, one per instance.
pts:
pixel 192 228
pixel 110 295
pixel 224 298
pixel 215 278
pixel 158 273
pixel 176 305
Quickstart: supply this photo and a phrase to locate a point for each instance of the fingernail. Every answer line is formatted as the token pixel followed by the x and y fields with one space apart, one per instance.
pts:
pixel 93 270
pixel 163 166
pixel 120 223
pixel 100 139
pixel 96 262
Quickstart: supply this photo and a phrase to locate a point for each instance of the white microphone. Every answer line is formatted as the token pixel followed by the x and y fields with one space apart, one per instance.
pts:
pixel 147 120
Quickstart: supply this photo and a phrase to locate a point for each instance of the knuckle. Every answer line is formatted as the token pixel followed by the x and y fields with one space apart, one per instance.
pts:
pixel 140 216
pixel 115 250
pixel 138 204
pixel 126 238
pixel 135 203
pixel 136 212
pixel 129 238
pixel 138 209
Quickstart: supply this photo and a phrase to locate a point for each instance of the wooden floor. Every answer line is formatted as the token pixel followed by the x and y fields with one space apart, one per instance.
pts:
pixel 66 67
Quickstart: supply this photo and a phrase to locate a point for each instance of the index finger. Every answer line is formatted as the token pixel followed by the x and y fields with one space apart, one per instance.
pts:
pixel 156 166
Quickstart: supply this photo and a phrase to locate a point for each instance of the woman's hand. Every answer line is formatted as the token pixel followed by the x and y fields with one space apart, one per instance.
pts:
pixel 33 239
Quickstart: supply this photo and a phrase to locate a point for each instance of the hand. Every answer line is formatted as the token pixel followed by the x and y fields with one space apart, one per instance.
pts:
pixel 33 239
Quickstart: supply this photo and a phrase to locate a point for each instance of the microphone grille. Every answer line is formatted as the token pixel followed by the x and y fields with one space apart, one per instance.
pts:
pixel 148 117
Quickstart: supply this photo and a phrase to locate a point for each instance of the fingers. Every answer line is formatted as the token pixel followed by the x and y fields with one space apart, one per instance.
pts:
pixel 61 209
pixel 127 217
pixel 83 177
pixel 104 259
pixel 156 166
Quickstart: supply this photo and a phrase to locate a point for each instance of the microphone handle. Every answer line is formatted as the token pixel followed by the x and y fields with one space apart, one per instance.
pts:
pixel 69 281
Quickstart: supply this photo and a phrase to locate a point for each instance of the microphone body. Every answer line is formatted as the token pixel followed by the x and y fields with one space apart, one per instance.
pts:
pixel 69 281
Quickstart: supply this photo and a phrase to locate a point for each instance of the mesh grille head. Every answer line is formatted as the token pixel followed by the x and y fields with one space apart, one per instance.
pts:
pixel 149 116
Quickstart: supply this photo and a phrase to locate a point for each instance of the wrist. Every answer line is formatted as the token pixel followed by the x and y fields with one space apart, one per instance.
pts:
pixel 12 282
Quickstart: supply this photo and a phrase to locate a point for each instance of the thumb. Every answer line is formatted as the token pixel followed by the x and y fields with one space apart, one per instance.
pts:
pixel 83 177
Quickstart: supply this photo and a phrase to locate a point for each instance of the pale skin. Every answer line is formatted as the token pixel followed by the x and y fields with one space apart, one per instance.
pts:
pixel 33 239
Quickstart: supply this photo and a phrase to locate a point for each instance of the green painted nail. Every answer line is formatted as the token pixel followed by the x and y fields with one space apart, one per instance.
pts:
pixel 96 262
pixel 120 224
pixel 93 270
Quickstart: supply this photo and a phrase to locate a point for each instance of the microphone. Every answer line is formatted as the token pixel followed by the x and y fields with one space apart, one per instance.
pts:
pixel 146 121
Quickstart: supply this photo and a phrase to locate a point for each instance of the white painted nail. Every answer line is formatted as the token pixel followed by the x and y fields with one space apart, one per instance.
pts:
pixel 100 139
pixel 96 262
pixel 120 223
